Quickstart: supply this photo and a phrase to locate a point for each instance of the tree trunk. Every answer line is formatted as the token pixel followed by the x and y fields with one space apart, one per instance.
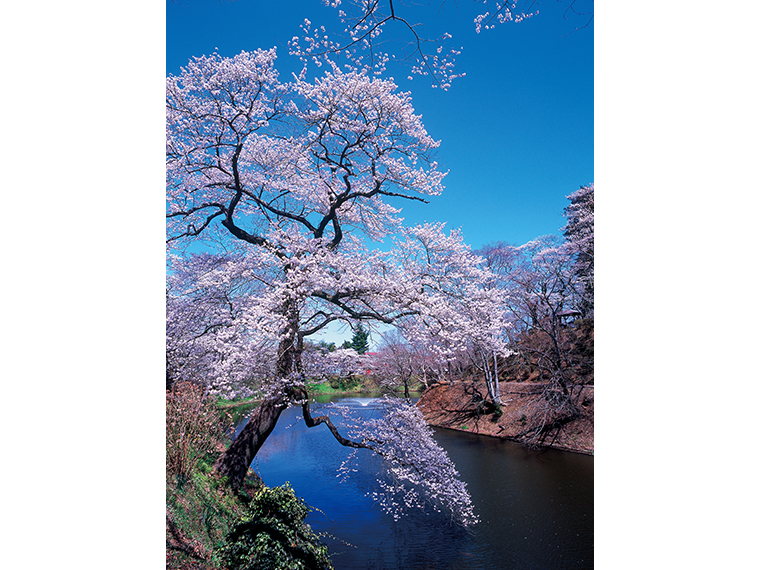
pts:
pixel 235 461
pixel 491 380
pixel 487 376
pixel 497 392
pixel 559 355
pixel 291 344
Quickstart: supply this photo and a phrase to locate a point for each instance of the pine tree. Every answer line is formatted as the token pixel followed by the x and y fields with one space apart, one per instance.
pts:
pixel 360 340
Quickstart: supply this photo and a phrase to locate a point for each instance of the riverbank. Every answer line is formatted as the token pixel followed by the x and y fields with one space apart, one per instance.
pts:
pixel 452 406
pixel 211 526
pixel 458 406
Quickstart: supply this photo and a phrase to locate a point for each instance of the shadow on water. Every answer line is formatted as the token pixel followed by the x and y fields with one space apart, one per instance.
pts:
pixel 536 507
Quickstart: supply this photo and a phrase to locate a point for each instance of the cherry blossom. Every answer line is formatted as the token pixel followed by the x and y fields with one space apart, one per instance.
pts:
pixel 285 180
pixel 371 35
pixel 419 472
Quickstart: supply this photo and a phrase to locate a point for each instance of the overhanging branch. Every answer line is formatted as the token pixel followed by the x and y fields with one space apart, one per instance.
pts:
pixel 310 421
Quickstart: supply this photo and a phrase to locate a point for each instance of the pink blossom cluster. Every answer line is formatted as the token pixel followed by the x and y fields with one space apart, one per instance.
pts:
pixel 419 473
pixel 370 35
pixel 283 183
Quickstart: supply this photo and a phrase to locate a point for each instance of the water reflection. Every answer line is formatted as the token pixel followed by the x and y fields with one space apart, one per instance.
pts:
pixel 536 508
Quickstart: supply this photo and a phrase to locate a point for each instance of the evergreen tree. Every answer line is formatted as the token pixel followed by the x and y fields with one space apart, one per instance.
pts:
pixel 360 340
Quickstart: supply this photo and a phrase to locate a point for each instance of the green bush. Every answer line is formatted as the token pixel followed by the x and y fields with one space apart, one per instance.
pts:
pixel 349 384
pixel 272 535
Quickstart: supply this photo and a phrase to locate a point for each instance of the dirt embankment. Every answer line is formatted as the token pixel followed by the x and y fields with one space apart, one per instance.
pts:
pixel 461 406
pixel 542 404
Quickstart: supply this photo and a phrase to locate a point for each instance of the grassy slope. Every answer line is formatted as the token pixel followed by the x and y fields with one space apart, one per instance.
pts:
pixel 199 514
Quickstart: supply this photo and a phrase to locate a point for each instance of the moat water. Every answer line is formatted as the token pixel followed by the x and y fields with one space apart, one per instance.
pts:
pixel 536 508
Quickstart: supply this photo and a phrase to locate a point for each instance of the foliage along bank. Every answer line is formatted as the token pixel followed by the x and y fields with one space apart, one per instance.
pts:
pixel 209 525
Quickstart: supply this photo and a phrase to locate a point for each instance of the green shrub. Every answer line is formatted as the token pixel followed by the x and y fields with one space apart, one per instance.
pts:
pixel 273 536
pixel 346 384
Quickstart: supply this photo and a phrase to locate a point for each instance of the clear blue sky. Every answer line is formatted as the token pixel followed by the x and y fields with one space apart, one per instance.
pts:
pixel 517 132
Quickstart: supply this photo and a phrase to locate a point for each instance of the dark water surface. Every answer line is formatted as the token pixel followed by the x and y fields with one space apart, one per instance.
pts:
pixel 536 508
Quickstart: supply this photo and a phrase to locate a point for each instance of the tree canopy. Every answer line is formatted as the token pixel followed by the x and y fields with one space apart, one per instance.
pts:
pixel 283 182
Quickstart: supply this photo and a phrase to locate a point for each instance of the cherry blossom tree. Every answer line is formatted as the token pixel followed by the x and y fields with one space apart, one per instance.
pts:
pixel 285 180
pixel 319 364
pixel 285 167
pixel 396 363
pixel 399 363
pixel 217 315
pixel 579 235
pixel 541 286
pixel 537 280
pixel 468 322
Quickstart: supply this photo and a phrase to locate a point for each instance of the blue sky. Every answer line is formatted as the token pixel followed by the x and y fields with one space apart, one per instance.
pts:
pixel 517 132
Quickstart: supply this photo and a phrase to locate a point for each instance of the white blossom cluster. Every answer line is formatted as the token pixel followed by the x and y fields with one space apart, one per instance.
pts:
pixel 501 11
pixel 370 35
pixel 284 181
pixel 579 232
pixel 215 334
pixel 455 306
pixel 299 154
pixel 419 473
pixel 542 280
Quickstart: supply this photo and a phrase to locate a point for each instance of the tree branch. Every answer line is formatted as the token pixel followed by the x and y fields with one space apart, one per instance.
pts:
pixel 310 421
pixel 336 299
